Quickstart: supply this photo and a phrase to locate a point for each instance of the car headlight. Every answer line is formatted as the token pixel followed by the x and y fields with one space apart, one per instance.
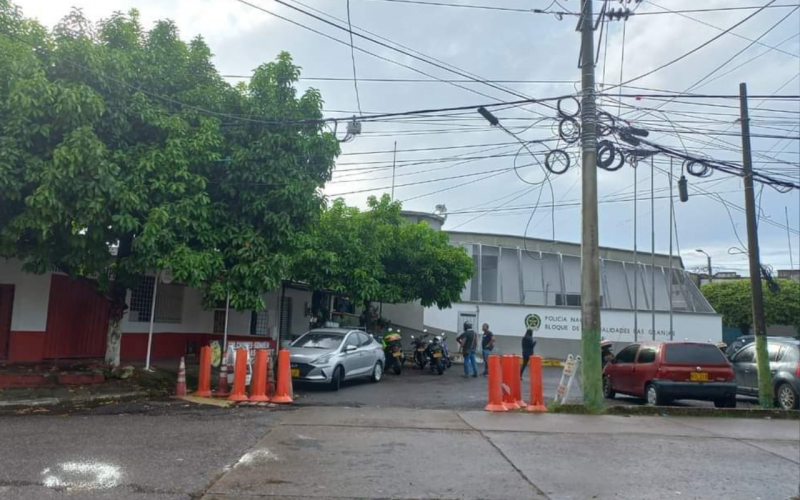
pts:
pixel 322 360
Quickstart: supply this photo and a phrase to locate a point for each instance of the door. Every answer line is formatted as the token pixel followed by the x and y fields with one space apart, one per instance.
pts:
pixel 369 354
pixel 6 306
pixel 644 370
pixel 622 369
pixel 466 317
pixel 744 368
pixel 353 360
pixel 77 320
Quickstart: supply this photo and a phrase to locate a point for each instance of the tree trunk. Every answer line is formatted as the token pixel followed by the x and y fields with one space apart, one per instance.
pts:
pixel 116 305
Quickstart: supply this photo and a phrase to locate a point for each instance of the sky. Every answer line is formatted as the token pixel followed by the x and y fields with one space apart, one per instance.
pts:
pixel 464 163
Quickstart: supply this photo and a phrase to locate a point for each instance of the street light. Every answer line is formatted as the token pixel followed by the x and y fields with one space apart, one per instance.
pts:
pixel 710 273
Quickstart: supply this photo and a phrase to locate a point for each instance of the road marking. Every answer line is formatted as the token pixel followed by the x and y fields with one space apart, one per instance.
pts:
pixel 82 476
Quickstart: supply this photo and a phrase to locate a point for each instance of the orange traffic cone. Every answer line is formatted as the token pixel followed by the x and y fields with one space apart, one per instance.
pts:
pixel 495 385
pixel 180 387
pixel 239 376
pixel 537 394
pixel 204 377
pixel 516 384
pixel 510 369
pixel 283 389
pixel 258 384
pixel 222 384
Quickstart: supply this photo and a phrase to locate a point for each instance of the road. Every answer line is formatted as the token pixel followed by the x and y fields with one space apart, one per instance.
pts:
pixel 167 451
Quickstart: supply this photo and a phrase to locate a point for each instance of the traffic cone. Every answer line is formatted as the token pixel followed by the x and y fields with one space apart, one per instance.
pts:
pixel 222 384
pixel 239 376
pixel 258 384
pixel 180 387
pixel 516 384
pixel 204 376
pixel 510 372
pixel 283 389
pixel 495 385
pixel 537 394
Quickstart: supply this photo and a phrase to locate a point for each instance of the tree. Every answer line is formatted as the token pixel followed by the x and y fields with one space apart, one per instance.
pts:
pixel 378 255
pixel 734 300
pixel 123 151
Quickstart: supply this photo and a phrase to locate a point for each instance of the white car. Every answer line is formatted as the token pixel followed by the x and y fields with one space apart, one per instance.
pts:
pixel 333 355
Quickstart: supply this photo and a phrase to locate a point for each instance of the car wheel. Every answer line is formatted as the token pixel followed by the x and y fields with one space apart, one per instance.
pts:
pixel 653 395
pixel 729 402
pixel 439 367
pixel 608 392
pixel 377 373
pixel 787 398
pixel 336 379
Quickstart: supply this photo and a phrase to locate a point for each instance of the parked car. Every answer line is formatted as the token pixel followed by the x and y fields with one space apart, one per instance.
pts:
pixel 333 355
pixel 661 372
pixel 744 341
pixel 784 363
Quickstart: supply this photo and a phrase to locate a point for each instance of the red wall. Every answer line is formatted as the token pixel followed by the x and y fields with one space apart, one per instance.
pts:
pixel 173 345
pixel 26 347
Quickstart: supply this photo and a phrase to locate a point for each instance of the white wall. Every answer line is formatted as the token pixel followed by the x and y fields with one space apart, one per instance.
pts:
pixel 409 315
pixel 565 323
pixel 31 296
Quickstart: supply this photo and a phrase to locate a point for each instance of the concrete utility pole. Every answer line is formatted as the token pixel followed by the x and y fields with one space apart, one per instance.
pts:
pixel 590 252
pixel 710 272
pixel 765 395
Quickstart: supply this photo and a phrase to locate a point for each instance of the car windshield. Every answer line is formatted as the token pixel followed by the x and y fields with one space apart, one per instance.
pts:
pixel 319 340
pixel 693 354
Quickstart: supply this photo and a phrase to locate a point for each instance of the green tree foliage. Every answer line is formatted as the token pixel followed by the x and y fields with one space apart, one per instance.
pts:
pixel 378 255
pixel 115 136
pixel 734 301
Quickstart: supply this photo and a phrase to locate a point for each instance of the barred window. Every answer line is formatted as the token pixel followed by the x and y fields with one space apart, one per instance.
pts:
pixel 219 321
pixel 259 323
pixel 169 302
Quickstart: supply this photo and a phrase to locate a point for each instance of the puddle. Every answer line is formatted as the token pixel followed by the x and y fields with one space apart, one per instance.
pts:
pixel 82 476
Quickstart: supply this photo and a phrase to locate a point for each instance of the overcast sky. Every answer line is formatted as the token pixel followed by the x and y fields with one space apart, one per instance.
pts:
pixel 542 50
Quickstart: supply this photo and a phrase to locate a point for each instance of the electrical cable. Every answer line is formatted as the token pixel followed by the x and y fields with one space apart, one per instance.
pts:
pixel 353 58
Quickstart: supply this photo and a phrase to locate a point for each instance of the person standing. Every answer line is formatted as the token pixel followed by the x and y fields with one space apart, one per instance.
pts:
pixel 469 340
pixel 487 345
pixel 528 344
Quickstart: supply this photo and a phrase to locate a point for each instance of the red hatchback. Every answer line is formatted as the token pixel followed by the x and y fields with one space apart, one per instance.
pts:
pixel 663 371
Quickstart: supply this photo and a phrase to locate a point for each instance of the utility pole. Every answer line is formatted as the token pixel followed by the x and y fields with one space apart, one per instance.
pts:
pixel 710 271
pixel 394 161
pixel 590 252
pixel 765 395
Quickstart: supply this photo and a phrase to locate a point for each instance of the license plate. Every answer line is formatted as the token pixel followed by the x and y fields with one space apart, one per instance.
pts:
pixel 422 349
pixel 437 355
pixel 295 372
pixel 698 377
pixel 397 354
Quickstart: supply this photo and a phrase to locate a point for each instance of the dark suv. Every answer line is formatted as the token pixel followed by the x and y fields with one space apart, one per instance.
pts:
pixel 784 363
pixel 661 372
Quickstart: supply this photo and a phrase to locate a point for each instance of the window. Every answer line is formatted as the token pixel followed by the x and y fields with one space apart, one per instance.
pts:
pixel 694 354
pixel 219 321
pixel 364 339
pixel 774 351
pixel 351 340
pixel 169 302
pixel 746 355
pixel 627 355
pixel 489 276
pixel 790 353
pixel 319 340
pixel 647 355
pixel 570 299
pixel 259 323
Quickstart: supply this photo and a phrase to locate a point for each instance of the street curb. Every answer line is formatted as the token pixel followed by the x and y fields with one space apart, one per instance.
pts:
pixel 76 400
pixel 681 411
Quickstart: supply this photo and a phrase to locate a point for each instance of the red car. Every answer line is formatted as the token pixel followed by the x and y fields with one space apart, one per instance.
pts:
pixel 663 371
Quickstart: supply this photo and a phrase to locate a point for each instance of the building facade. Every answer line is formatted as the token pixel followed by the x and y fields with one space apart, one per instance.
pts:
pixel 526 282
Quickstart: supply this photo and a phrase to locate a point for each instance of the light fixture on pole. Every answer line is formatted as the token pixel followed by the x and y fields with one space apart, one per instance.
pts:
pixel 710 272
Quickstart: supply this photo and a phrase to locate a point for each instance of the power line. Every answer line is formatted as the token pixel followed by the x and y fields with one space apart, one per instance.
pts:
pixel 353 58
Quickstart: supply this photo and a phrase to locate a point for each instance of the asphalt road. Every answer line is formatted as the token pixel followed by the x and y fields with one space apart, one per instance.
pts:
pixel 416 388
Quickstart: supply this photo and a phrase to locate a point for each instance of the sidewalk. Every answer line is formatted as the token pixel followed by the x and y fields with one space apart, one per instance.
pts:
pixel 381 453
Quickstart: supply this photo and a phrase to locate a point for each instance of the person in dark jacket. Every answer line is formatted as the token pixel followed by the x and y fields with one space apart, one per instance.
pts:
pixel 528 344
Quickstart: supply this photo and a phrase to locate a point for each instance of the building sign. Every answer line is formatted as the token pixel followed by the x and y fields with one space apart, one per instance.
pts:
pixel 568 322
pixel 533 321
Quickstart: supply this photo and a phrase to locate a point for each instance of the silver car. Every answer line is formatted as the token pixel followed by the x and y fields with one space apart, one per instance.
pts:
pixel 333 355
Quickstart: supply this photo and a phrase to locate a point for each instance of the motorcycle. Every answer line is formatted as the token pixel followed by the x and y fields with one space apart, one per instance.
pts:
pixel 418 345
pixel 435 356
pixel 393 352
pixel 448 363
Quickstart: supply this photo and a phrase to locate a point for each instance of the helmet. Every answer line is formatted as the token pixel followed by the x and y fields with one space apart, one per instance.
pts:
pixel 467 325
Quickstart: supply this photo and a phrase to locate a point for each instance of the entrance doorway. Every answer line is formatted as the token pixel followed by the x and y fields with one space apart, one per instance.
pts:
pixel 6 306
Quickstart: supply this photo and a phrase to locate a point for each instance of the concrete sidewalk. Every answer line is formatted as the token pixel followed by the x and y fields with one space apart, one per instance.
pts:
pixel 380 453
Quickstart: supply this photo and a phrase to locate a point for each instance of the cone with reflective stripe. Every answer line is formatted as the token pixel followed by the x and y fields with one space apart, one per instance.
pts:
pixel 180 387
pixel 510 368
pixel 495 385
pixel 283 387
pixel 239 376
pixel 537 392
pixel 204 377
pixel 258 384
pixel 222 383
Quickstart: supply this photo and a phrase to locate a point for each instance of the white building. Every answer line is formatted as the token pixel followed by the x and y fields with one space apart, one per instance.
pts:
pixel 522 282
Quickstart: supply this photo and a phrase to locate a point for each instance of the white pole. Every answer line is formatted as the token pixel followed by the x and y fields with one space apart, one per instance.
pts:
pixel 653 244
pixel 152 320
pixel 671 208
pixel 225 334
pixel 635 260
